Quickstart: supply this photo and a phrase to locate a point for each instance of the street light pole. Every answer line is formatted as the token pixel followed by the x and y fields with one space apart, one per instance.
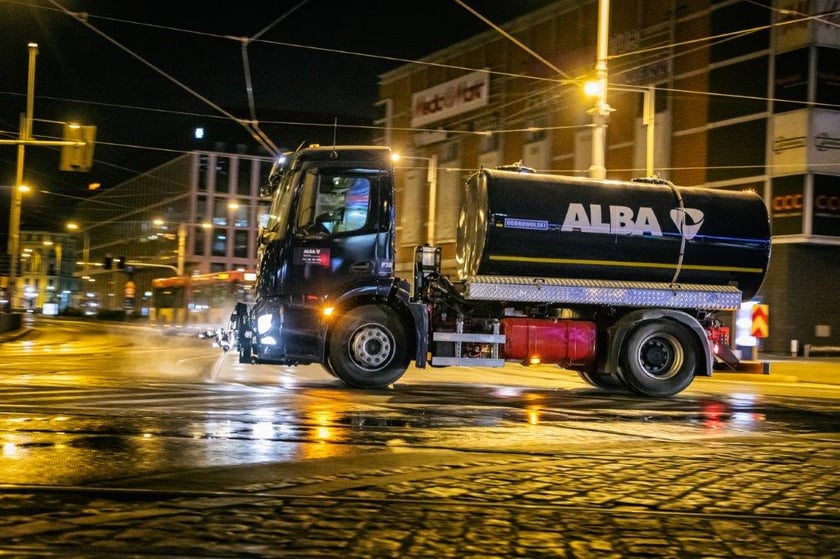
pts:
pixel 648 119
pixel 72 226
pixel 17 192
pixel 601 111
pixel 431 176
pixel 182 245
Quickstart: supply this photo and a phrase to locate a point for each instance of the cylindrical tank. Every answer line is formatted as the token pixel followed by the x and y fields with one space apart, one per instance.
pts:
pixel 527 224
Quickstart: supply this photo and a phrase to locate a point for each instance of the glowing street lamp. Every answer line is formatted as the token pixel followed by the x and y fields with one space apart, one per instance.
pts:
pixel 594 88
pixel 75 227
pixel 182 241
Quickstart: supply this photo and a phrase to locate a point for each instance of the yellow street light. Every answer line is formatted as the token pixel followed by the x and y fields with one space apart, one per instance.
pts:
pixel 75 227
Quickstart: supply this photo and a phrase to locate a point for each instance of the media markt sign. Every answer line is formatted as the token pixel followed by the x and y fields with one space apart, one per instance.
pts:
pixel 451 98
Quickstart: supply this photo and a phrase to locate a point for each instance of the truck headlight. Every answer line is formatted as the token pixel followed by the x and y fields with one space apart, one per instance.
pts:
pixel 264 324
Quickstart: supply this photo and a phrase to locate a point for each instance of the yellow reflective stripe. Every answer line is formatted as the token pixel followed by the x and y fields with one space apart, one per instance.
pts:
pixel 619 263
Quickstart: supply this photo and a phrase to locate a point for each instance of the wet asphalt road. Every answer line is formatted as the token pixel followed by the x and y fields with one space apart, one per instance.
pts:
pixel 156 445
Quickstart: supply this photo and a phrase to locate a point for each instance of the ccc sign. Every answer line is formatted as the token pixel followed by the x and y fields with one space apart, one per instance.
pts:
pixel 827 203
pixel 822 203
pixel 787 202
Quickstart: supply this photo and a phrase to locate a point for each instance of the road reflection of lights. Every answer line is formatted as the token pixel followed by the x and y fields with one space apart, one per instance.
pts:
pixel 748 419
pixel 714 415
pixel 533 416
pixel 11 450
pixel 740 399
pixel 263 430
pixel 324 420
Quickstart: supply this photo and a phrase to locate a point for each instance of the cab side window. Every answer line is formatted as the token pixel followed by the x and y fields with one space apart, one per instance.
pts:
pixel 333 204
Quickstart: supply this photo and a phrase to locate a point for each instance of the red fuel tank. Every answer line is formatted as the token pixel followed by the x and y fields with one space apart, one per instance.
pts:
pixel 564 342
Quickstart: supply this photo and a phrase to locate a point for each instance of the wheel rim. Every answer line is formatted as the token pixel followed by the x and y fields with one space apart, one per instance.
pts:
pixel 371 347
pixel 660 356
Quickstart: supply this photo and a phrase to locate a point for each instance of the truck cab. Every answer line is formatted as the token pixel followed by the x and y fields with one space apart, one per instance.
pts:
pixel 328 247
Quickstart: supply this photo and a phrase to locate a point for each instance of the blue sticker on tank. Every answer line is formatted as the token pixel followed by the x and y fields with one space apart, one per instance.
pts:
pixel 531 224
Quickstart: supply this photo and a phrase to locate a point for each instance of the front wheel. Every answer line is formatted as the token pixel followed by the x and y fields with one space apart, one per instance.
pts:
pixel 369 347
pixel 659 358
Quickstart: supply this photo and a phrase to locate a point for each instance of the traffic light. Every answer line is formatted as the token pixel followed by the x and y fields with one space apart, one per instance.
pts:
pixel 121 263
pixel 109 263
pixel 77 157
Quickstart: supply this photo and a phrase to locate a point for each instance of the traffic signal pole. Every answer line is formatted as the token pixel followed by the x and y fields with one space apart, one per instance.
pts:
pixel 17 193
pixel 24 139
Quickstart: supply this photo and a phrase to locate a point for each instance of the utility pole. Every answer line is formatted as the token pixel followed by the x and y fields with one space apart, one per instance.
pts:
pixel 79 161
pixel 431 177
pixel 601 111
pixel 17 193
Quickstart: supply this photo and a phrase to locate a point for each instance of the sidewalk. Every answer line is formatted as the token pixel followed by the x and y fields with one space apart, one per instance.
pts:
pixel 819 370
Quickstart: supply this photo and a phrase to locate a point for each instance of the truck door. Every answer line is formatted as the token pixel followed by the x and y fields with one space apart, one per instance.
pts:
pixel 340 232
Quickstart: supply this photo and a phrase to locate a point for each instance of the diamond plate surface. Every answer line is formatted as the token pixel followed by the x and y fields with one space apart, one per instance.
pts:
pixel 603 292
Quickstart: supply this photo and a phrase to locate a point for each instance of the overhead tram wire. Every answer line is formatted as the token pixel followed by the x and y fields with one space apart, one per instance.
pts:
pixel 254 124
pixel 84 21
pixel 260 136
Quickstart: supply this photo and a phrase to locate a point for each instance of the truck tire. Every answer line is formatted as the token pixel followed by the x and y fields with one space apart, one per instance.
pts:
pixel 610 382
pixel 658 358
pixel 328 367
pixel 369 347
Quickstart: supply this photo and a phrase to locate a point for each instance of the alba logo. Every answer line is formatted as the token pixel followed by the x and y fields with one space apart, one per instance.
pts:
pixel 688 221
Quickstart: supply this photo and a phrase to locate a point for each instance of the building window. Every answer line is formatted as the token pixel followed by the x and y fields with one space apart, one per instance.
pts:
pixel 203 164
pixel 791 81
pixel 240 214
pixel 535 130
pixel 737 151
pixel 828 85
pixel 201 207
pixel 489 142
pixel 222 174
pixel 219 242
pixel 745 86
pixel 240 244
pixel 220 211
pixel 198 241
pixel 730 19
pixel 243 183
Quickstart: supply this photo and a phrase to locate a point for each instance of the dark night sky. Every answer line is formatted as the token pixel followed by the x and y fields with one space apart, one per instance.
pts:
pixel 85 75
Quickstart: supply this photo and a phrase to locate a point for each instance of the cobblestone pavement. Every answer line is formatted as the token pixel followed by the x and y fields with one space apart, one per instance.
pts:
pixel 749 499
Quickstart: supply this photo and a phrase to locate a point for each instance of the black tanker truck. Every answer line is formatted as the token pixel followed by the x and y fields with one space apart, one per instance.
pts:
pixel 618 280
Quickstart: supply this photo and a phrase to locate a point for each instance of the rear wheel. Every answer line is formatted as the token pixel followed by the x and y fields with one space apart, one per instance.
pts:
pixel 369 347
pixel 659 358
pixel 605 381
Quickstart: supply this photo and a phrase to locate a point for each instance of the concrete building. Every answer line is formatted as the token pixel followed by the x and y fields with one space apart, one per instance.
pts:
pixel 198 213
pixel 746 96
pixel 45 274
